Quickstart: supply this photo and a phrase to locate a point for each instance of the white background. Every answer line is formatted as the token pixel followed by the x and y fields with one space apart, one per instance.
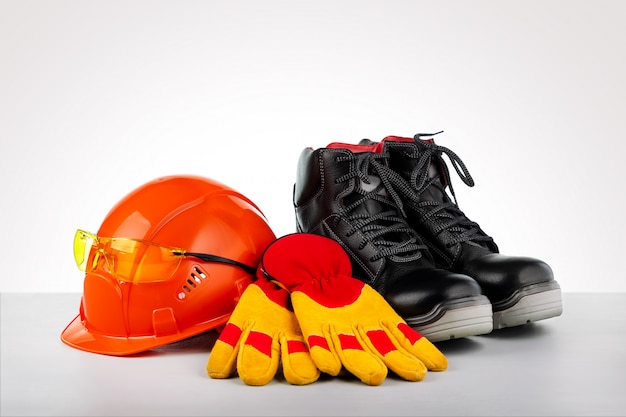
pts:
pixel 97 98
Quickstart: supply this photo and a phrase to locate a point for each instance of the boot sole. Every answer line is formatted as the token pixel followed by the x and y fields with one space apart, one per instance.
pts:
pixel 454 320
pixel 530 304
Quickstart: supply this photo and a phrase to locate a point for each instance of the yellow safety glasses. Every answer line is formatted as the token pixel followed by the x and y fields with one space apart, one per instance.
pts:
pixel 134 260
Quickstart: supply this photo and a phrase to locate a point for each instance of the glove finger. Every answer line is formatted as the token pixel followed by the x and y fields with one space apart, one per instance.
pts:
pixel 258 358
pixel 222 361
pixel 323 354
pixel 362 363
pixel 298 366
pixel 403 335
pixel 398 360
pixel 417 345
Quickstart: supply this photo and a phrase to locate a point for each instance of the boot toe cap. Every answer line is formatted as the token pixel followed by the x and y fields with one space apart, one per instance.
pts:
pixel 500 276
pixel 424 290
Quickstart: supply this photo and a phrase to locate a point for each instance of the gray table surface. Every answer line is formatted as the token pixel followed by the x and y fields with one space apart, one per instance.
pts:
pixel 568 365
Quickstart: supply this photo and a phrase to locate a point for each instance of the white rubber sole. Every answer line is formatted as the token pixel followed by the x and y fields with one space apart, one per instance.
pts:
pixel 458 323
pixel 530 308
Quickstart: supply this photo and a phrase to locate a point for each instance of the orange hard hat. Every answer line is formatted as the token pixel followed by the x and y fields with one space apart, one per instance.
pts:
pixel 170 261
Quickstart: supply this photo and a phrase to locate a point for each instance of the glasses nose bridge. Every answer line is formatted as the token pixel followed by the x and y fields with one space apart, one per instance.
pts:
pixel 109 260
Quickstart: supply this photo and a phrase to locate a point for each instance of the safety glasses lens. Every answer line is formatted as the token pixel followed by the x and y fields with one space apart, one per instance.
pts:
pixel 136 261
pixel 127 259
pixel 83 242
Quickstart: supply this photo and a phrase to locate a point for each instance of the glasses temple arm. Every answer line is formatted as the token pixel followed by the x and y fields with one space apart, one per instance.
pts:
pixel 214 258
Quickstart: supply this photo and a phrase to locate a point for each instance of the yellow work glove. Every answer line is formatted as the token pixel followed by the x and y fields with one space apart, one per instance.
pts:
pixel 345 322
pixel 261 332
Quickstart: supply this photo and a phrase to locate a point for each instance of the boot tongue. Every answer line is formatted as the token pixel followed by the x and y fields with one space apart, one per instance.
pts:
pixel 435 192
pixel 370 206
pixel 405 166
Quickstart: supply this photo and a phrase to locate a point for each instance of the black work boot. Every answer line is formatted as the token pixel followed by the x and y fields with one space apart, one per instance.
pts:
pixel 346 192
pixel 521 289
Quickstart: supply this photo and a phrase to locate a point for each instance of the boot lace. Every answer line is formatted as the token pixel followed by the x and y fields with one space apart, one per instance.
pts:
pixel 386 227
pixel 446 215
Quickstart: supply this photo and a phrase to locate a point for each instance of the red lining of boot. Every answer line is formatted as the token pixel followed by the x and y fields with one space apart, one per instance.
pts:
pixel 354 147
pixel 376 147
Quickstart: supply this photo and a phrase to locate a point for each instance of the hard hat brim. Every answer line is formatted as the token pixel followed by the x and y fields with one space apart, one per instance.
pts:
pixel 78 336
